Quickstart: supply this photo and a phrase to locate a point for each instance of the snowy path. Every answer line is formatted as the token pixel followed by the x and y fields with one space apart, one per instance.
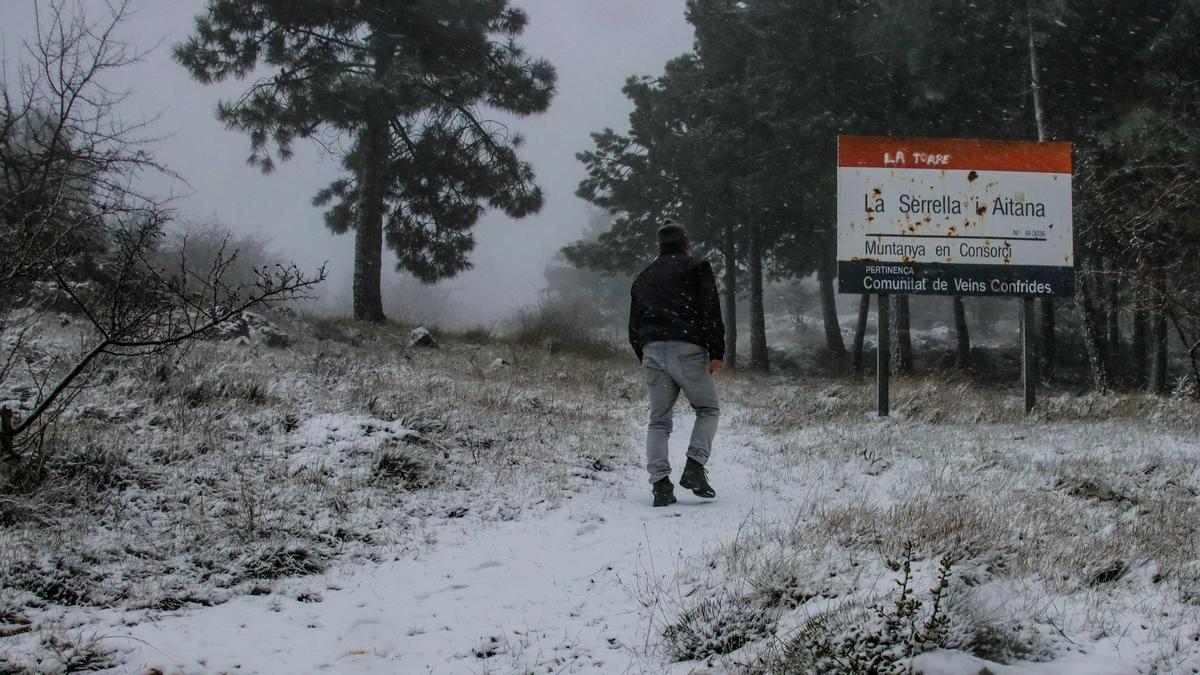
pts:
pixel 564 591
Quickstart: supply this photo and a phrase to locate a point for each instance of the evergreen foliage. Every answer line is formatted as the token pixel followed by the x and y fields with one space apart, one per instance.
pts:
pixel 406 86
pixel 738 136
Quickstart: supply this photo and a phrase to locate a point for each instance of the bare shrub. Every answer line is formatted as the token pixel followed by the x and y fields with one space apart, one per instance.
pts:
pixel 72 219
pixel 478 335
pixel 200 245
pixel 415 302
pixel 335 330
pixel 559 326
pixel 799 298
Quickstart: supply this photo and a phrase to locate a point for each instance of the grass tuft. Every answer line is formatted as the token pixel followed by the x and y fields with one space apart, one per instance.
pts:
pixel 715 626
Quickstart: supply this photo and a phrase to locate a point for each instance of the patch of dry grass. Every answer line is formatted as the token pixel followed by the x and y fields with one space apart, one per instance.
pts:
pixel 193 479
pixel 1081 520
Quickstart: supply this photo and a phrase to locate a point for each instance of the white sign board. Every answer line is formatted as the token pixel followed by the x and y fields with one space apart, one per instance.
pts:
pixel 954 217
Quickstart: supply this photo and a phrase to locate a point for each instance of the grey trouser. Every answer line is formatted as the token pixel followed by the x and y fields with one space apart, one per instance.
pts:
pixel 669 367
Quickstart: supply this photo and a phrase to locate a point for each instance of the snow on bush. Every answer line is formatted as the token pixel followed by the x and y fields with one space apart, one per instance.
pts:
pixel 252 328
pixel 717 625
pixel 881 638
pixel 278 560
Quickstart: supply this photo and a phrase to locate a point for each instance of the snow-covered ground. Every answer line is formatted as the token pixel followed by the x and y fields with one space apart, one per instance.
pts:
pixel 495 519
pixel 579 588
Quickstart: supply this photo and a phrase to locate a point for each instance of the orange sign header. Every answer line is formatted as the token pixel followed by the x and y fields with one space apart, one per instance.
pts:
pixel 953 154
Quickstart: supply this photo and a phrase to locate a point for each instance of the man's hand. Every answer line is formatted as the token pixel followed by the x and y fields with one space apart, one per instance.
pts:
pixel 715 366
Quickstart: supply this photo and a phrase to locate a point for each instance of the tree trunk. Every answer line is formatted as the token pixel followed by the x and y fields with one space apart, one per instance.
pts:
pixel 825 274
pixel 1035 79
pixel 963 360
pixel 1049 356
pixel 731 330
pixel 900 333
pixel 1188 340
pixel 1137 350
pixel 1112 319
pixel 860 334
pixel 1161 340
pixel 368 236
pixel 7 447
pixel 1091 330
pixel 758 319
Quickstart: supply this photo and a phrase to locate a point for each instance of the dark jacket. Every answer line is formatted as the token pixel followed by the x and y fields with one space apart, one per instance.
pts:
pixel 675 298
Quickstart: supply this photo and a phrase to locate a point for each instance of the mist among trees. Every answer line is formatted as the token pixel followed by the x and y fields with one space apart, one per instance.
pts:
pixel 738 138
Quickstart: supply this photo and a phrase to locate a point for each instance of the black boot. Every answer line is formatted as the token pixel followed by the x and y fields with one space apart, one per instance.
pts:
pixel 664 492
pixel 695 478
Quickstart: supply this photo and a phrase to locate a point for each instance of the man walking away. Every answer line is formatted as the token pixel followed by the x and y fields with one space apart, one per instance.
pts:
pixel 676 331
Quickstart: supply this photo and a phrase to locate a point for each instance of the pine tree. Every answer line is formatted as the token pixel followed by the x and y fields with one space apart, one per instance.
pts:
pixel 954 105
pixel 404 84
pixel 676 160
pixel 1145 179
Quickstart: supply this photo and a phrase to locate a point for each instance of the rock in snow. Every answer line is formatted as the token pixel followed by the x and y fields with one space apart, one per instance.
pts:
pixel 420 337
pixel 253 328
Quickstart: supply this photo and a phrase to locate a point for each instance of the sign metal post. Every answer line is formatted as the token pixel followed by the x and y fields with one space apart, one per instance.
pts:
pixel 883 354
pixel 1029 364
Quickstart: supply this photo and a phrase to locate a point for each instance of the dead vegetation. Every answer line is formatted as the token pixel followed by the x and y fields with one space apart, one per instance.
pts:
pixel 1080 523
pixel 220 471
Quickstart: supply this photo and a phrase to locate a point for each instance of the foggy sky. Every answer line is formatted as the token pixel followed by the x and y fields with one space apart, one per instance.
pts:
pixel 595 44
